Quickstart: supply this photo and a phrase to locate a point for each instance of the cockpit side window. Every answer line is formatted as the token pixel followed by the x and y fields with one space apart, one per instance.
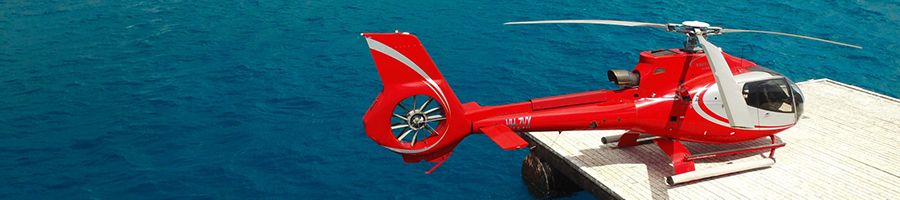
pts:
pixel 772 95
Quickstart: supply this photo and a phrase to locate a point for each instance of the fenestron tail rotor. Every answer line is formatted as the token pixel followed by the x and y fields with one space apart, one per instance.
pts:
pixel 416 118
pixel 417 114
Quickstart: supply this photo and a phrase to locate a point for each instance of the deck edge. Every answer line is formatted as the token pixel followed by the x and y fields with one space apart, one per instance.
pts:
pixel 571 170
pixel 852 87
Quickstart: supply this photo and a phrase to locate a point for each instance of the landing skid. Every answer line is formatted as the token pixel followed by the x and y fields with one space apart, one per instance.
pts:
pixel 683 159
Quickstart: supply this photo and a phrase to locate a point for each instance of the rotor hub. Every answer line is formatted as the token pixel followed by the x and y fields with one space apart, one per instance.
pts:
pixel 693 29
pixel 695 24
pixel 417 121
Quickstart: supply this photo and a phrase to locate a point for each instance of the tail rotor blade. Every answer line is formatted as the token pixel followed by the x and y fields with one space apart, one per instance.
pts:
pixel 735 105
pixel 789 35
pixel 591 21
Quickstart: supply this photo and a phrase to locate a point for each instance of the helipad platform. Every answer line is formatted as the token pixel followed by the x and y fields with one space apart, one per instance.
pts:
pixel 846 146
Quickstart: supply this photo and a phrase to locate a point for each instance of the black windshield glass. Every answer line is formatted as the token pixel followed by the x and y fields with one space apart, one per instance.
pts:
pixel 772 95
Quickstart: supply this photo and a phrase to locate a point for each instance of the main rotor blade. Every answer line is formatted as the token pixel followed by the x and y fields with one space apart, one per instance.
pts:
pixel 735 105
pixel 790 35
pixel 591 21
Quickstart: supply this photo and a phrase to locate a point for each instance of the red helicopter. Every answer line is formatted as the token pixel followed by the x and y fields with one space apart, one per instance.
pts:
pixel 696 93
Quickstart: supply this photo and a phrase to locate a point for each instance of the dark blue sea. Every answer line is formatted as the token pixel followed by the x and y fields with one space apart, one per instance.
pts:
pixel 264 99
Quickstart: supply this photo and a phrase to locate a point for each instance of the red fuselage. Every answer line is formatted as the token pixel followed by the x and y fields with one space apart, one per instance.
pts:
pixel 667 103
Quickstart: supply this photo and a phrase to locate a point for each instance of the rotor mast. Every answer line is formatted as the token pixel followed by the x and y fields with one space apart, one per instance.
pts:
pixel 693 29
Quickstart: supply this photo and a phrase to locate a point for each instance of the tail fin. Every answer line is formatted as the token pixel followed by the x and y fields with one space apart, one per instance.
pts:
pixel 417 114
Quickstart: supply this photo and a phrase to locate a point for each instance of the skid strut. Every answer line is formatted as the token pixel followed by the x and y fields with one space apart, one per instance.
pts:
pixel 683 161
pixel 628 139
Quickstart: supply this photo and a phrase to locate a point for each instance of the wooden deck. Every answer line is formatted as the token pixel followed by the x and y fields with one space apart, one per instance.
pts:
pixel 846 146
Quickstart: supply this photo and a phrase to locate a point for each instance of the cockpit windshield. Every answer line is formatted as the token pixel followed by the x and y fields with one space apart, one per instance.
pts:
pixel 772 95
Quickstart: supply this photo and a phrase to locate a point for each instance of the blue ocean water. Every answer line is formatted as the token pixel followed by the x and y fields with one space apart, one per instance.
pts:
pixel 264 99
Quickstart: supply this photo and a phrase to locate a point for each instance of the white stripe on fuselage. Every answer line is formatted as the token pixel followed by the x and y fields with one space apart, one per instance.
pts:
pixel 695 104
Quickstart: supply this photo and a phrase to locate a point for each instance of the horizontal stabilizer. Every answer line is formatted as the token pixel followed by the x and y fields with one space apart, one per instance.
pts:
pixel 504 137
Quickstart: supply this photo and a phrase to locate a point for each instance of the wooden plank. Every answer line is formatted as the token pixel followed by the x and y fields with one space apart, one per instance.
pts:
pixel 844 147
